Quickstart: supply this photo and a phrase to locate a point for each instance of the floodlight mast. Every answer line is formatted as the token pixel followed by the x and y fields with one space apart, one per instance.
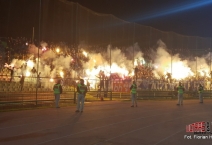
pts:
pixel 39 31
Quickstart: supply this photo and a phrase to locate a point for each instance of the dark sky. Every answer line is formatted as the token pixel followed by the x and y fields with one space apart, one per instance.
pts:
pixel 187 17
pixel 16 13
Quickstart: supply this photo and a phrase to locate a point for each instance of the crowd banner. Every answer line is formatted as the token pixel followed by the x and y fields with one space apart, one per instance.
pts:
pixel 121 87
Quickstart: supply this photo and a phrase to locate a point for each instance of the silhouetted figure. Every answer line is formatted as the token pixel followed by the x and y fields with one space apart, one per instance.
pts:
pixel 101 77
pixel 11 73
pixel 22 81
pixel 200 90
pixel 136 72
pixel 106 83
pixel 33 71
pixel 39 80
pixel 169 77
pixel 88 85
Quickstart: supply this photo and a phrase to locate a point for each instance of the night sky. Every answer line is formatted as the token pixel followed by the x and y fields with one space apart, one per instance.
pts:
pixel 188 17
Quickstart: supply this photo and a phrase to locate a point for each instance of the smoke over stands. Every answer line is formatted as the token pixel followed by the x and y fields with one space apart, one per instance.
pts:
pixel 60 60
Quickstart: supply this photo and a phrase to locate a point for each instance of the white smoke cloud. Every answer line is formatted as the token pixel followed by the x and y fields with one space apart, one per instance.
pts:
pixel 165 62
pixel 48 55
pixel 121 62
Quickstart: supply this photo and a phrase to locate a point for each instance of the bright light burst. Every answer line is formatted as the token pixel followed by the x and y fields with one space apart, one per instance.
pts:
pixel 117 69
pixel 57 50
pixel 204 71
pixel 179 70
pixel 85 54
pixel 122 71
pixel 27 73
pixel 62 74
pixel 44 48
pixel 30 63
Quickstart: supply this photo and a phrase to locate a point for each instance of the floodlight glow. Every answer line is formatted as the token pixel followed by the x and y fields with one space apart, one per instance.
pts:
pixel 175 9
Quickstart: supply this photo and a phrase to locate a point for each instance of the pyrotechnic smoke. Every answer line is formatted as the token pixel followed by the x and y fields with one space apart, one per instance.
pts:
pixel 118 60
pixel 48 55
pixel 134 51
pixel 43 44
pixel 180 69
pixel 200 66
pixel 165 63
pixel 113 60
pixel 61 63
pixel 161 58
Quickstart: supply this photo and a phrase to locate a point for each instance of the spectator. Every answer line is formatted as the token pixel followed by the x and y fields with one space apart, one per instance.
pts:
pixel 88 85
pixel 39 80
pixel 22 81
pixel 33 71
pixel 200 90
pixel 12 73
